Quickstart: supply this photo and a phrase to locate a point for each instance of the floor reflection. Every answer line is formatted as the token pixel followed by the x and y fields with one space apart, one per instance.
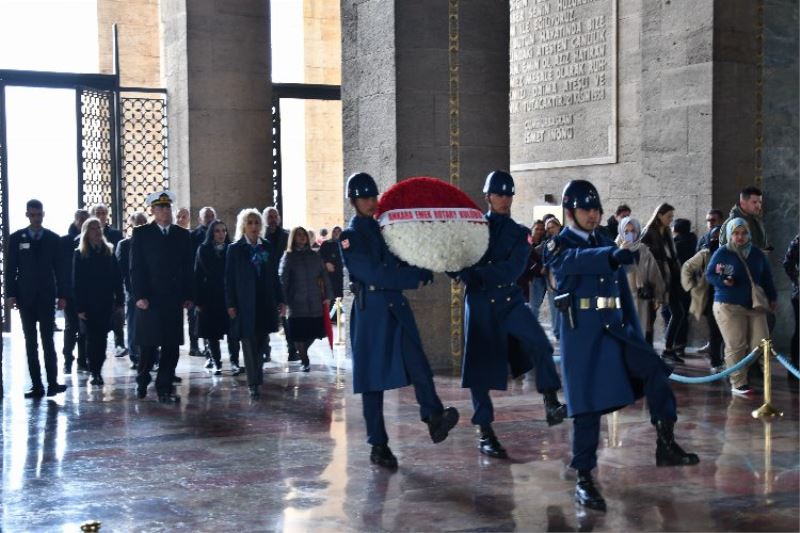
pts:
pixel 297 459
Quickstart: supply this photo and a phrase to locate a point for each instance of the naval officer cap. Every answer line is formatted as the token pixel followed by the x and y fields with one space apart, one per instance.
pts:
pixel 499 182
pixel 161 198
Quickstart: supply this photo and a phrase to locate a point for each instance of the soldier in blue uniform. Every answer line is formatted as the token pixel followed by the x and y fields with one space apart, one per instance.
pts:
pixel 387 349
pixel 605 361
pixel 501 332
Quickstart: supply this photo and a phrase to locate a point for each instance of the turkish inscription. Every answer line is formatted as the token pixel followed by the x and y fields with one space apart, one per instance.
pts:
pixel 563 99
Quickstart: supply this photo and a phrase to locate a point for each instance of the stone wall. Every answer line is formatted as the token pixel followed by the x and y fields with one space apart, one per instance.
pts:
pixel 139 40
pixel 323 119
pixel 216 65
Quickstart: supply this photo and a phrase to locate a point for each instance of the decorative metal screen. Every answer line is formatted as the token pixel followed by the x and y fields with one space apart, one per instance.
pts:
pixel 96 148
pixel 277 193
pixel 143 132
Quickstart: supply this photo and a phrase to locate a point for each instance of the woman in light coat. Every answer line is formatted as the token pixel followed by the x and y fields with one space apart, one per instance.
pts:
pixel 644 278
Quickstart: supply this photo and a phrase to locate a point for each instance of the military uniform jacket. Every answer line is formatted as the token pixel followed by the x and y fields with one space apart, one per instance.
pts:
pixel 494 303
pixel 35 273
pixel 161 272
pixel 382 325
pixel 593 366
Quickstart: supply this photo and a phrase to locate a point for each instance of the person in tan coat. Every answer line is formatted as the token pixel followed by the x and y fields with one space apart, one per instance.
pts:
pixel 644 278
pixel 694 281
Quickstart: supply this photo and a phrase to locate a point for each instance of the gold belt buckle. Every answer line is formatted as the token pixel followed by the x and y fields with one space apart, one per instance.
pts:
pixel 608 303
pixel 584 303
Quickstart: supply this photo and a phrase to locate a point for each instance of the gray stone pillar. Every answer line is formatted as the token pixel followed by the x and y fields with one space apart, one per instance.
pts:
pixel 396 109
pixel 217 72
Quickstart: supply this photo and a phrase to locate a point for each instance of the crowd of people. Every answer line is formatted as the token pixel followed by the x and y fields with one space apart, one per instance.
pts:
pixel 679 276
pixel 241 289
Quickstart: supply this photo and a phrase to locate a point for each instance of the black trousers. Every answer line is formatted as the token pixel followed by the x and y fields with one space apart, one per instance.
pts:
pixel 216 351
pixel 678 319
pixel 191 317
pixel 253 359
pixel 715 341
pixel 148 355
pixel 118 325
pixel 289 345
pixel 42 313
pixel 586 426
pixel 96 342
pixel 73 335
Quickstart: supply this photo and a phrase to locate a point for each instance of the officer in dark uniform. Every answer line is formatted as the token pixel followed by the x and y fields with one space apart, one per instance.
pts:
pixel 161 281
pixel 501 332
pixel 605 360
pixel 387 349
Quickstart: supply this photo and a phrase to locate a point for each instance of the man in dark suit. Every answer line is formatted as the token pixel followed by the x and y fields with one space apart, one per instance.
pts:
pixel 34 279
pixel 278 241
pixel 113 236
pixel 161 281
pixel 72 327
pixel 123 253
pixel 206 216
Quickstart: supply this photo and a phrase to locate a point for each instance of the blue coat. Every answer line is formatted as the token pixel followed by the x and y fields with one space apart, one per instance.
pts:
pixel 593 362
pixel 501 334
pixel 382 326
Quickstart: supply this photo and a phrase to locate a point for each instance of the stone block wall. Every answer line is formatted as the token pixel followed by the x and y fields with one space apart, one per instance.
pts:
pixel 139 40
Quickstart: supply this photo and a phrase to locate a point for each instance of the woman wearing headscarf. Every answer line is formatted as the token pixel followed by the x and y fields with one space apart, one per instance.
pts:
pixel 657 236
pixel 693 280
pixel 644 278
pixel 253 293
pixel 97 283
pixel 307 287
pixel 730 270
pixel 209 277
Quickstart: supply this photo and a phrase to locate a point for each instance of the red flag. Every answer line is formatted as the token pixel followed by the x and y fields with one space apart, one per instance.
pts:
pixel 326 317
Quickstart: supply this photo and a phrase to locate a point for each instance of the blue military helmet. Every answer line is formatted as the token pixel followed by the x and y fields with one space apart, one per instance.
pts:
pixel 361 185
pixel 580 194
pixel 499 182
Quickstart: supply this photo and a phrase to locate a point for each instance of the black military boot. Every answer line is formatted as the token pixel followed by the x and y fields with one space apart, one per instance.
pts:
pixel 489 445
pixel 587 494
pixel 555 410
pixel 668 453
pixel 440 425
pixel 381 455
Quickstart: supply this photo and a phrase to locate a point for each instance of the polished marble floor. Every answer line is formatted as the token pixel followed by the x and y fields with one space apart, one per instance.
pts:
pixel 296 460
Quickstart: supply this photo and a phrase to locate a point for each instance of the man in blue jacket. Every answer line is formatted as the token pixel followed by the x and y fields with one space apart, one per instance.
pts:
pixel 501 331
pixel 387 349
pixel 605 360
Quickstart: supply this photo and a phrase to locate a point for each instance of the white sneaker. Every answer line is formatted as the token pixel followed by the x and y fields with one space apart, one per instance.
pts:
pixel 742 390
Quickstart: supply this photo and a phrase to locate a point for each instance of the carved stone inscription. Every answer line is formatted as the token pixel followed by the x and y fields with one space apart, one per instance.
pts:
pixel 563 65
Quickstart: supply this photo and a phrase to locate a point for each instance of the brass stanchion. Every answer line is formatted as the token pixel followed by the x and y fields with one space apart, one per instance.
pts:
pixel 339 329
pixel 767 409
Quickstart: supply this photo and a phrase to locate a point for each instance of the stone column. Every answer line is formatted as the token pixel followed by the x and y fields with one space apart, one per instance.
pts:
pixel 396 108
pixel 139 40
pixel 217 71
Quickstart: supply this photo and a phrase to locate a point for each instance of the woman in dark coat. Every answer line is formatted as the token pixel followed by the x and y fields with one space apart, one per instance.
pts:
pixel 209 278
pixel 305 283
pixel 658 238
pixel 97 283
pixel 252 292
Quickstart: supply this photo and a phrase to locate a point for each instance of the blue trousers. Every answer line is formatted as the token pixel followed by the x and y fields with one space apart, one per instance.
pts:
pixel 429 402
pixel 660 401
pixel 483 408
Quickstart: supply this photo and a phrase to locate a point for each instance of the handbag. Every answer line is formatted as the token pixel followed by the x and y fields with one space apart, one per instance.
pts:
pixel 757 293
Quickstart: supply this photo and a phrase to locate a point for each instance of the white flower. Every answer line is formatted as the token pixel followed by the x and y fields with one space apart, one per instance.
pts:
pixel 440 246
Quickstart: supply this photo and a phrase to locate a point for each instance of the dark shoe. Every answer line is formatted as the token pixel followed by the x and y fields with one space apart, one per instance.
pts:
pixel 587 494
pixel 195 352
pixel 255 392
pixel 141 392
pixel 293 357
pixel 169 398
pixel 82 367
pixel 134 366
pixel 120 351
pixel 236 369
pixel 381 455
pixel 52 390
pixel 36 392
pixel 668 453
pixel 176 379
pixel 555 410
pixel 218 372
pixel 209 364
pixel 489 445
pixel 742 390
pixel 306 367
pixel 440 425
pixel 67 368
pixel 97 379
